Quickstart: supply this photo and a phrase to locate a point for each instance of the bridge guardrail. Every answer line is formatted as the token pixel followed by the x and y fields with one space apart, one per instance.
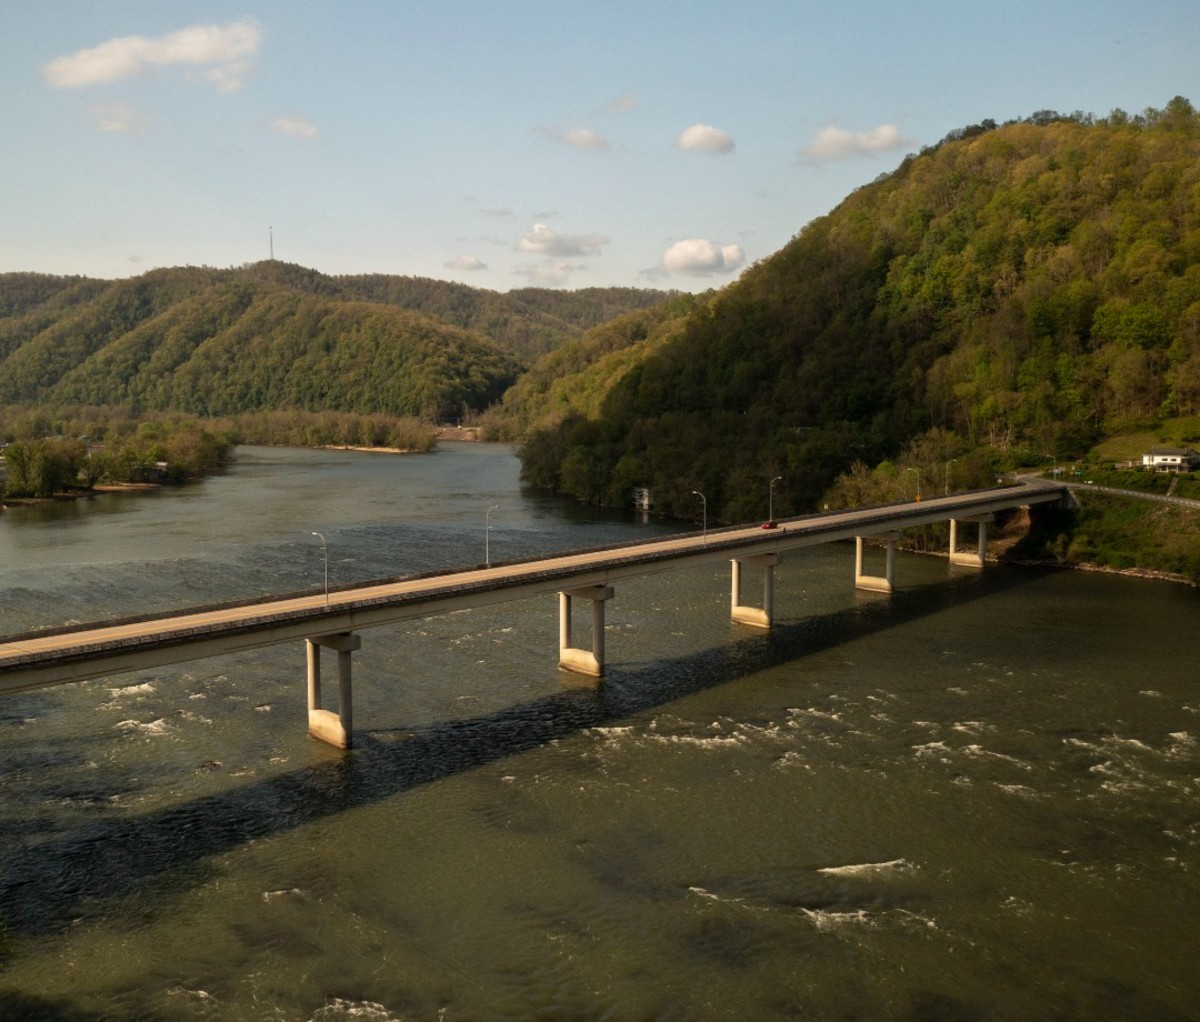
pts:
pixel 881 513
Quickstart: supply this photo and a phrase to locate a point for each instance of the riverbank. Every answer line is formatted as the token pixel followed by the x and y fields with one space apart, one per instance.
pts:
pixel 365 449
pixel 1011 542
pixel 1005 548
pixel 78 494
pixel 1101 569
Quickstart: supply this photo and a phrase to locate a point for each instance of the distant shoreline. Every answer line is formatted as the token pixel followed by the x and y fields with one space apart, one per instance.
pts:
pixel 362 449
pixel 468 433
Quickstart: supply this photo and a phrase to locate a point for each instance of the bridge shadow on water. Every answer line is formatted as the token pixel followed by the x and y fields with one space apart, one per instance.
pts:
pixel 48 886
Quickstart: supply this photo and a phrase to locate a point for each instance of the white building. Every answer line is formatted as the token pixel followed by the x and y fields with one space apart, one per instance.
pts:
pixel 1170 459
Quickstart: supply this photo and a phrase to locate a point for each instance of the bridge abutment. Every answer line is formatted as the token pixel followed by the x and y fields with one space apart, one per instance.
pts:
pixel 753 616
pixel 335 728
pixel 571 658
pixel 876 583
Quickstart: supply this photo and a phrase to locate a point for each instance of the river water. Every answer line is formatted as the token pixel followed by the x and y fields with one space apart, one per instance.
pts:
pixel 975 799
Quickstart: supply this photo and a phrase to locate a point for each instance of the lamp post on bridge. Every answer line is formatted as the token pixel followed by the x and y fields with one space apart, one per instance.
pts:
pixel 703 512
pixel 918 471
pixel 948 464
pixel 487 535
pixel 325 550
pixel 771 499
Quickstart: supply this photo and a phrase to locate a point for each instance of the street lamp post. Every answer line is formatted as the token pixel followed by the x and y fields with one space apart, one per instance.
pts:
pixel 325 550
pixel 487 534
pixel 948 464
pixel 918 471
pixel 771 499
pixel 703 512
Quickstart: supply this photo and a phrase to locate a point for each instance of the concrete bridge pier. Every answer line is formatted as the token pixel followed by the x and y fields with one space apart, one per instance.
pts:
pixel 581 660
pixel 752 615
pixel 335 728
pixel 974 560
pixel 875 583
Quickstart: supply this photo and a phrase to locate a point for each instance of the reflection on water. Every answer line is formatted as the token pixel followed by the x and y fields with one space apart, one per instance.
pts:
pixel 976 799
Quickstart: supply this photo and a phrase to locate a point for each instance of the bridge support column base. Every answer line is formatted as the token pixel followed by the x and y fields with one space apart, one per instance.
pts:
pixel 570 658
pixel 335 728
pixel 876 583
pixel 753 616
pixel 327 726
pixel 970 559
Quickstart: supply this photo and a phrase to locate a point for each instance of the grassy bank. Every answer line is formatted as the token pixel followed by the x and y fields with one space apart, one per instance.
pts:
pixel 1116 533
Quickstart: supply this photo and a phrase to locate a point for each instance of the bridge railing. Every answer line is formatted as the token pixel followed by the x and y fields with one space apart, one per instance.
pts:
pixel 717 539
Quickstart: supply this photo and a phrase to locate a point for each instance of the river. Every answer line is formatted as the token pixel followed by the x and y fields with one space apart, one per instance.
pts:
pixel 975 799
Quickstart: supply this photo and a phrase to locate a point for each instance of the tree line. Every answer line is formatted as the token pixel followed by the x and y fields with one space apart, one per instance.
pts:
pixel 154 452
pixel 76 449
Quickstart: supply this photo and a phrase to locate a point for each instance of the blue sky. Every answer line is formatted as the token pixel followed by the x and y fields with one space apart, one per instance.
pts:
pixel 509 143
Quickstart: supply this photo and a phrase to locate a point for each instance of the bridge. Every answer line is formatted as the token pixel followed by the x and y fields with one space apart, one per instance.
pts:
pixel 332 619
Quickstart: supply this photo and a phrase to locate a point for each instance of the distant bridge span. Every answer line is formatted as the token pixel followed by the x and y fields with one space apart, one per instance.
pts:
pixel 332 620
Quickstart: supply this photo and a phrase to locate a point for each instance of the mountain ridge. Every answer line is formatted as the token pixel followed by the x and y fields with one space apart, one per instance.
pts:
pixel 275 335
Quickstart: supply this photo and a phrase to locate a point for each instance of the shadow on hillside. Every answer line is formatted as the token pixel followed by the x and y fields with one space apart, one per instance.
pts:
pixel 50 885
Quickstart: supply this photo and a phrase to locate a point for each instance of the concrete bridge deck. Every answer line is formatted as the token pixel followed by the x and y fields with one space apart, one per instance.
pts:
pixel 60 656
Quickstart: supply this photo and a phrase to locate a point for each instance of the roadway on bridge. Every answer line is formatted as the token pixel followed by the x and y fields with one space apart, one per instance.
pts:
pixel 63 655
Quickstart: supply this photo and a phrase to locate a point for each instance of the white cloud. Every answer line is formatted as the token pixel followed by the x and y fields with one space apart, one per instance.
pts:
pixel 577 138
pixel 622 104
pixel 833 143
pixel 229 77
pixel 296 127
pixel 465 262
pixel 546 242
pixel 698 257
pixel 118 119
pixel 704 138
pixel 228 48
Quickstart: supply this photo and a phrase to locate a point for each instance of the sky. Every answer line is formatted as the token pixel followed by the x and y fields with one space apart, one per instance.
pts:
pixel 514 143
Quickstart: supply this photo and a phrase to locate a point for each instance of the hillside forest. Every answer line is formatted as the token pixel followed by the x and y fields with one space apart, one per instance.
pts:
pixel 274 336
pixel 1020 294
pixel 1014 294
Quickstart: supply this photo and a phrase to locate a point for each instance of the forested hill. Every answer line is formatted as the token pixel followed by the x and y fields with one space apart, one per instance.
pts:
pixel 273 335
pixel 527 321
pixel 1034 285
